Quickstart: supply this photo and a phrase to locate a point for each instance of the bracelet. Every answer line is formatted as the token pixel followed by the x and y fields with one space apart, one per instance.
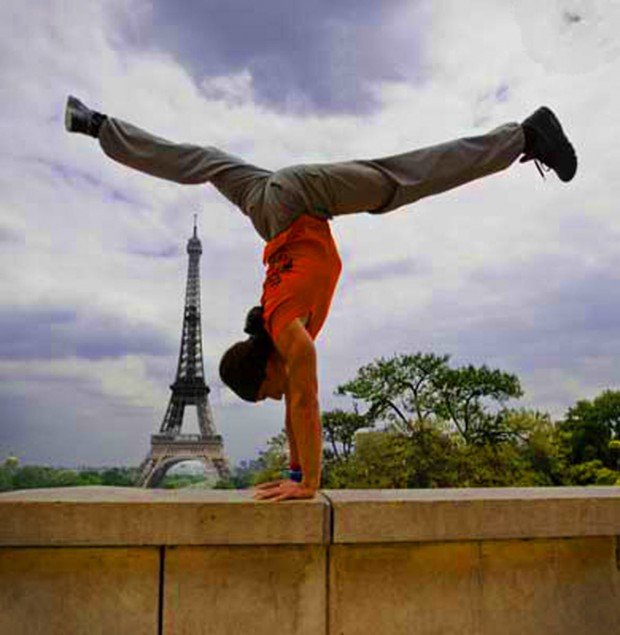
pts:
pixel 293 475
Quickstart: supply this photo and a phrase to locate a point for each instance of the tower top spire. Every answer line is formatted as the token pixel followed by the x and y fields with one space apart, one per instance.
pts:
pixel 193 244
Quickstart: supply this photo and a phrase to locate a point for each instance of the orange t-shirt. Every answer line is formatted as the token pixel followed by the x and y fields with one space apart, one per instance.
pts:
pixel 303 267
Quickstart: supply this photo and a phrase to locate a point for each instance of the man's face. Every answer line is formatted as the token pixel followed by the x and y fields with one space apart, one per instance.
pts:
pixel 274 384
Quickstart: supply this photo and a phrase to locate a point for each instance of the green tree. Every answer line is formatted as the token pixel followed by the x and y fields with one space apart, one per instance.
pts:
pixel 119 476
pixel 273 460
pixel 464 397
pixel 407 391
pixel 485 465
pixel 614 448
pixel 63 478
pixel 339 428
pixel 89 477
pixel 6 479
pixel 180 481
pixel 9 467
pixel 426 457
pixel 592 473
pixel 400 390
pixel 33 476
pixel 539 443
pixel 590 426
pixel 241 476
pixel 380 461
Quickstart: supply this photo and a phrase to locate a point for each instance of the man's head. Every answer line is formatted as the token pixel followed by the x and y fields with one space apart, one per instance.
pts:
pixel 246 365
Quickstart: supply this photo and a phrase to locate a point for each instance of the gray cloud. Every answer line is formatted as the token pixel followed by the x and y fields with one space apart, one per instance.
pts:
pixel 561 314
pixel 390 269
pixel 551 316
pixel 317 56
pixel 76 178
pixel 57 334
pixel 8 235
pixel 158 251
pixel 27 334
pixel 71 431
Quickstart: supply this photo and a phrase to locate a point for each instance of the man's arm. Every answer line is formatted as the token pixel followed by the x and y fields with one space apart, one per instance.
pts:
pixel 297 349
pixel 290 435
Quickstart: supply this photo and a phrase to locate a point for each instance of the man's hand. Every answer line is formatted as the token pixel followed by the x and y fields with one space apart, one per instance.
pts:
pixel 283 489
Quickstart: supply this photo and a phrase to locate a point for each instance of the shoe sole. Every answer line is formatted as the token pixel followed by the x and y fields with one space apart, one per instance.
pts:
pixel 71 109
pixel 565 145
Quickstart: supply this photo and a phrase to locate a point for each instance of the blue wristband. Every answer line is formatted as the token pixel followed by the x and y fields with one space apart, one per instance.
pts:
pixel 293 475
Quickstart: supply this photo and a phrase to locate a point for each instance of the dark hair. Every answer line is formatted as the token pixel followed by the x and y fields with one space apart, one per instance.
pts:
pixel 243 366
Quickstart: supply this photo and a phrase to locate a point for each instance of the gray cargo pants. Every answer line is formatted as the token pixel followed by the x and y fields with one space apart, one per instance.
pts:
pixel 273 200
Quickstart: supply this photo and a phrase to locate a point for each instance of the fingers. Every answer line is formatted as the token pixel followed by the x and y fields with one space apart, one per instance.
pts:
pixel 266 494
pixel 269 485
pixel 270 491
pixel 280 497
pixel 283 490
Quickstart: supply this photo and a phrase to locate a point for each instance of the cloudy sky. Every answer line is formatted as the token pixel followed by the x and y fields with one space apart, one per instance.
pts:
pixel 511 271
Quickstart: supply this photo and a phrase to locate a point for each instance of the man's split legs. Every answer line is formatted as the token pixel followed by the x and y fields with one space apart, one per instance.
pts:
pixel 273 200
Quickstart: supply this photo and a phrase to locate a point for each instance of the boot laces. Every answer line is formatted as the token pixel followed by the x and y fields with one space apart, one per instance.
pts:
pixel 542 168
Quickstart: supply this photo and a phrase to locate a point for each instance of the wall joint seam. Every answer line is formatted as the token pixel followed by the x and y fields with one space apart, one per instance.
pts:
pixel 160 600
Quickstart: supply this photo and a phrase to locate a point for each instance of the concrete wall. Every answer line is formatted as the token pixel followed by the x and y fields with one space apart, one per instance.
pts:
pixel 477 561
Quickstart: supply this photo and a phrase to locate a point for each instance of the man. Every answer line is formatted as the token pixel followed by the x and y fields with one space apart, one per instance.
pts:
pixel 290 210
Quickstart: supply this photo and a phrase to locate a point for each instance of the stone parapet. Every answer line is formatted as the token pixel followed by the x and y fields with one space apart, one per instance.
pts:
pixel 365 516
pixel 350 562
pixel 81 516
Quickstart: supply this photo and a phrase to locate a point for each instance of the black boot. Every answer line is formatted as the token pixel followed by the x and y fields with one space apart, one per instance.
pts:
pixel 79 118
pixel 546 143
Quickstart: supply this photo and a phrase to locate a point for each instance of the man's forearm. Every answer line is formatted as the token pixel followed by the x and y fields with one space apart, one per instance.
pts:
pixel 306 426
pixel 302 394
pixel 290 435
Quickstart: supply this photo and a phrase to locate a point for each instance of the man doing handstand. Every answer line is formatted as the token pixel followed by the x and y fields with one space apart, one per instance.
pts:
pixel 290 209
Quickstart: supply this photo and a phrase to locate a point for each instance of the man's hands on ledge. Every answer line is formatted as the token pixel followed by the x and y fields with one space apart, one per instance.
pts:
pixel 281 490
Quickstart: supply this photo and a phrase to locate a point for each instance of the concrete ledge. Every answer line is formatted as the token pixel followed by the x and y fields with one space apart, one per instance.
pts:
pixel 349 562
pixel 79 590
pixel 550 586
pixel 376 516
pixel 259 590
pixel 120 516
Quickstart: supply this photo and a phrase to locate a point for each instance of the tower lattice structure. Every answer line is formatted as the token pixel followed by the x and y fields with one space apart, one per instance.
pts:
pixel 170 446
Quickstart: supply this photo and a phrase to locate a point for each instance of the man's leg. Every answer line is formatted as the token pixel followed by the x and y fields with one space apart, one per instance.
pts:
pixel 179 162
pixel 384 184
pixel 442 167
pixel 240 182
pixel 381 185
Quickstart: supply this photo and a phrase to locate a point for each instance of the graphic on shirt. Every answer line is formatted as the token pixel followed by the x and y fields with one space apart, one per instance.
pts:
pixel 281 262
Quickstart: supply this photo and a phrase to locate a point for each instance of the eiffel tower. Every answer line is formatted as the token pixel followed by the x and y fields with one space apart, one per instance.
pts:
pixel 169 446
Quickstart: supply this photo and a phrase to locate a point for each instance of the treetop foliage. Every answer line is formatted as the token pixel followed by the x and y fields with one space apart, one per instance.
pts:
pixel 419 422
pixel 407 391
